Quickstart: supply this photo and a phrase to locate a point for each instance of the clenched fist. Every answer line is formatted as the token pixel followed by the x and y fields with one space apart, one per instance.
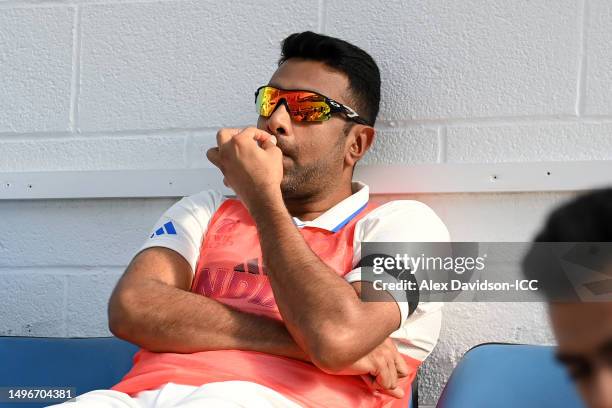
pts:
pixel 251 163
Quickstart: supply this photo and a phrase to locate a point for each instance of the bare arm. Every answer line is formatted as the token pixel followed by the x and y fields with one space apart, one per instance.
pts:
pixel 321 310
pixel 152 307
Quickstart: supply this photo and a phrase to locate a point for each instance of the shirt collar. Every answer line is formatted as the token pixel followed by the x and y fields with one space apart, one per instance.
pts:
pixel 342 213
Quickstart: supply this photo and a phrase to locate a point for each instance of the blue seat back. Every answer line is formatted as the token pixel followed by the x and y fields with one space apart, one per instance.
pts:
pixel 509 375
pixel 83 363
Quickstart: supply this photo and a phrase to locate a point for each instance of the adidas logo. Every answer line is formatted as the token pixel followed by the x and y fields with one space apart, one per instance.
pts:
pixel 167 228
pixel 252 266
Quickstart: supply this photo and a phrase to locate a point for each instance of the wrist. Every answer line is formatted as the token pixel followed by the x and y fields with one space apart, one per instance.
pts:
pixel 267 204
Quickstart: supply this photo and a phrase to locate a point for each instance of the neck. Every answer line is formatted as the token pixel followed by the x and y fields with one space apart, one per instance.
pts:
pixel 310 208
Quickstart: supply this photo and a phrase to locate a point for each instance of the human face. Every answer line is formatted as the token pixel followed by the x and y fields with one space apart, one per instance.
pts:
pixel 313 152
pixel 584 336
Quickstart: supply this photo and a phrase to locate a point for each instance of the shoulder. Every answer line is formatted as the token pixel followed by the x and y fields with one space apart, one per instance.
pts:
pixel 183 225
pixel 202 204
pixel 206 199
pixel 403 220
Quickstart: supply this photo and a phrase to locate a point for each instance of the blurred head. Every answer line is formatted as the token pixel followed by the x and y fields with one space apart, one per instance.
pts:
pixel 583 330
pixel 320 155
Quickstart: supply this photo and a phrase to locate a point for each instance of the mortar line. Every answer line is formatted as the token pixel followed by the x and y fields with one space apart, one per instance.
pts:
pixel 23 4
pixel 442 144
pixel 65 307
pixel 495 121
pixel 53 136
pixel 322 16
pixel 187 143
pixel 76 70
pixel 380 125
pixel 582 61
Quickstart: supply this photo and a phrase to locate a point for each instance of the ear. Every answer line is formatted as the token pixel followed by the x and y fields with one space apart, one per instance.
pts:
pixel 359 141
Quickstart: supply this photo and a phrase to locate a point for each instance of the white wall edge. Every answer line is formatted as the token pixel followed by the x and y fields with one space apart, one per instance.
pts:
pixel 383 179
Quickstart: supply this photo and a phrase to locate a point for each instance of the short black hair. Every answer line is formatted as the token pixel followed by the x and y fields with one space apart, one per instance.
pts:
pixel 584 219
pixel 362 72
pixel 587 218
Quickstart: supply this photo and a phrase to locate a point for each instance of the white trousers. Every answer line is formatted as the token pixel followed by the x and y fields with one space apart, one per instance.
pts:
pixel 226 394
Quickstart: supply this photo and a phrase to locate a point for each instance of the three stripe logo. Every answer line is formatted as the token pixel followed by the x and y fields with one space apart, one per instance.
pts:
pixel 252 266
pixel 167 228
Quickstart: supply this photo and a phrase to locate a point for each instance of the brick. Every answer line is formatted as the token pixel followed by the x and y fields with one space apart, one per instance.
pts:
pixel 35 69
pixel 158 65
pixel 443 59
pixel 197 144
pixel 598 98
pixel 87 302
pixel 403 146
pixel 32 304
pixel 490 217
pixel 524 143
pixel 103 153
pixel 76 232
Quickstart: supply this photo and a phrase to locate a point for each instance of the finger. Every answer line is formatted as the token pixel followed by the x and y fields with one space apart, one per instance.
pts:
pixel 370 381
pixel 225 135
pixel 269 143
pixel 401 366
pixel 261 137
pixel 392 373
pixel 396 392
pixel 214 156
pixel 383 378
pixel 253 133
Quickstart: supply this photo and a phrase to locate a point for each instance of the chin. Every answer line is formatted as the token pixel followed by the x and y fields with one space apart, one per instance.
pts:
pixel 288 188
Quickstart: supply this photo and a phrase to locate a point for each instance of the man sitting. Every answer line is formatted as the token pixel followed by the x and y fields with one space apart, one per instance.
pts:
pixel 254 300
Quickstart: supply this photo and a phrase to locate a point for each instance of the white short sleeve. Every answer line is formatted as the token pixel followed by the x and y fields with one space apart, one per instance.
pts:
pixel 404 221
pixel 182 227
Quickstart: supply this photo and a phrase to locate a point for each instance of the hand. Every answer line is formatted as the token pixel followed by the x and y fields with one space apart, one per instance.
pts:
pixel 251 163
pixel 380 369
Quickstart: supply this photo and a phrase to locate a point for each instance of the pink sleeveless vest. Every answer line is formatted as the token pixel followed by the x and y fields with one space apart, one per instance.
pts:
pixel 230 270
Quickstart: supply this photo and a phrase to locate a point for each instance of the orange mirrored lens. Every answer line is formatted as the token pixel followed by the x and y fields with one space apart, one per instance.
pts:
pixel 303 105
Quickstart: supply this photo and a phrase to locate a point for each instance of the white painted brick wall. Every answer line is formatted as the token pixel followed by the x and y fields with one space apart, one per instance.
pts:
pixel 36 68
pixel 597 60
pixel 106 84
pixel 161 64
pixel 474 58
pixel 533 142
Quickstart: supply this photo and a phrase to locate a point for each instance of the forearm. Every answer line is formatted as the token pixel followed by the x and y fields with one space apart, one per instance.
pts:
pixel 320 309
pixel 162 318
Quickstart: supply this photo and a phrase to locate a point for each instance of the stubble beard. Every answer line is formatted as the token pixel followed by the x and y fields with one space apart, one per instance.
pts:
pixel 304 182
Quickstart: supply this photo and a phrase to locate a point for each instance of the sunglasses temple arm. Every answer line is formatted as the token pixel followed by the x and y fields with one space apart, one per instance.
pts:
pixel 354 116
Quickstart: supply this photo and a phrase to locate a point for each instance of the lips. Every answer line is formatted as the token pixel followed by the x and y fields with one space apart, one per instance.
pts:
pixel 280 143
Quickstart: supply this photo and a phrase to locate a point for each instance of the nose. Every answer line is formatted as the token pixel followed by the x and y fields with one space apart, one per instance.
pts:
pixel 279 122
